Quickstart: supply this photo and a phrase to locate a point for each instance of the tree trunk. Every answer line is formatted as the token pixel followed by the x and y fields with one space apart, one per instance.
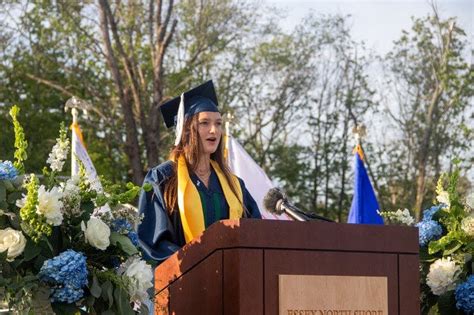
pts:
pixel 132 148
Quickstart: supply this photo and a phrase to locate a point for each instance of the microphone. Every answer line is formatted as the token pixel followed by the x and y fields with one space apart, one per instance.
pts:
pixel 276 202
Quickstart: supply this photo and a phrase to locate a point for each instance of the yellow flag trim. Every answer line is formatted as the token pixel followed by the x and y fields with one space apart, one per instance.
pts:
pixel 358 150
pixel 75 127
pixel 189 201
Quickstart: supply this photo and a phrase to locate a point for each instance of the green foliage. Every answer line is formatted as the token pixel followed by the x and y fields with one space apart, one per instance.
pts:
pixel 33 224
pixel 123 242
pixel 20 143
pixel 23 286
pixel 455 243
pixel 109 293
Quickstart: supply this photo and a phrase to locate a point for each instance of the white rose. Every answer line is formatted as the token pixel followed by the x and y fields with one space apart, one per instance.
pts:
pixel 467 224
pixel 141 276
pixel 443 197
pixel 97 233
pixel 50 204
pixel 13 241
pixel 443 275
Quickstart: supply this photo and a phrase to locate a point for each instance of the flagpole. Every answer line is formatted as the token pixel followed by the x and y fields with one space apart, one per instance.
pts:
pixel 359 132
pixel 74 166
pixel 229 118
pixel 75 104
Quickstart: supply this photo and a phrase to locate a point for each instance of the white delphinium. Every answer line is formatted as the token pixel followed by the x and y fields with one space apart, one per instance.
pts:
pixel 97 233
pixel 141 278
pixel 467 224
pixel 443 197
pixel 404 216
pixel 50 205
pixel 13 242
pixel 72 196
pixel 443 275
pixel 59 153
pixel 20 203
pixel 400 216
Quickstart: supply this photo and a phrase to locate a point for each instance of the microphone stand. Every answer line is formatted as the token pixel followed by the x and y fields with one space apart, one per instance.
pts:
pixel 308 216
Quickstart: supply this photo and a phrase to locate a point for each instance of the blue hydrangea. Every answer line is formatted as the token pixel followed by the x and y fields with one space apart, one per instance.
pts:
pixel 465 295
pixel 428 230
pixel 7 170
pixel 428 213
pixel 122 226
pixel 133 236
pixel 115 262
pixel 67 273
pixel 66 294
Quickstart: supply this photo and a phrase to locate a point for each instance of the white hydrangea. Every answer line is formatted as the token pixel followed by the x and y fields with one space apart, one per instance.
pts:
pixel 141 278
pixel 443 197
pixel 50 205
pixel 71 196
pixel 470 200
pixel 467 224
pixel 58 155
pixel 443 275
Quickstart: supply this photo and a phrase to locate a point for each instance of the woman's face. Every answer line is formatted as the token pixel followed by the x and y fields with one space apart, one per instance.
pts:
pixel 209 130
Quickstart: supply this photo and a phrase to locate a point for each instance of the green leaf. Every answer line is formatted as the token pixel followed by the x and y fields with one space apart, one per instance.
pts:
pixel 446 304
pixel 3 256
pixel 122 301
pixel 95 288
pixel 66 309
pixel 123 242
pixel 13 197
pixel 453 247
pixel 107 292
pixel 3 193
pixel 147 187
pixel 31 250
pixel 144 309
pixel 88 208
pixel 425 256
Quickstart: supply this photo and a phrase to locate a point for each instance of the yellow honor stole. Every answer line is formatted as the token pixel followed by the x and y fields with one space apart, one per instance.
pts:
pixel 189 201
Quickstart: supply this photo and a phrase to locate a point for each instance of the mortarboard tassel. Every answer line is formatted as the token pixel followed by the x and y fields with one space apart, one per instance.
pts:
pixel 179 121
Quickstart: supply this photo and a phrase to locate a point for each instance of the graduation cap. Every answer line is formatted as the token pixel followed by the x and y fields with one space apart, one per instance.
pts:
pixel 202 98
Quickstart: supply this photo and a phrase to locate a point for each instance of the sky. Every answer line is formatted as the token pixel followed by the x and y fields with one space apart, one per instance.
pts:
pixel 378 22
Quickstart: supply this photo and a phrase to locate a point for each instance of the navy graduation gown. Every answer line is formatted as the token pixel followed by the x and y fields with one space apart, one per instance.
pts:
pixel 161 233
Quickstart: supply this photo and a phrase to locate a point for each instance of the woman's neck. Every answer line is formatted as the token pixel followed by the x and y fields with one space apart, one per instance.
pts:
pixel 204 164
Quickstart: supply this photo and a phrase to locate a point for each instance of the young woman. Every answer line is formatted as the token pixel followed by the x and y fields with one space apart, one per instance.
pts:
pixel 194 188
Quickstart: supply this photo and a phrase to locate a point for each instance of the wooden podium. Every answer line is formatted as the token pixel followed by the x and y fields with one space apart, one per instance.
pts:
pixel 235 267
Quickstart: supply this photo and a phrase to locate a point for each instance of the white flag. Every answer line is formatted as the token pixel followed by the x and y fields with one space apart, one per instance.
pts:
pixel 78 151
pixel 256 181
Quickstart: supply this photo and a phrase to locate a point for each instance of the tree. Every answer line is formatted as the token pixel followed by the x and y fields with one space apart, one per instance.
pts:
pixel 124 61
pixel 432 84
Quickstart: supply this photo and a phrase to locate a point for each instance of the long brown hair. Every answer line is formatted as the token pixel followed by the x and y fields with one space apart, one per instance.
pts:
pixel 190 148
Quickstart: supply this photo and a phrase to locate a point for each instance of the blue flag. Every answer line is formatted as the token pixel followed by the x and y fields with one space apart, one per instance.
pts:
pixel 364 203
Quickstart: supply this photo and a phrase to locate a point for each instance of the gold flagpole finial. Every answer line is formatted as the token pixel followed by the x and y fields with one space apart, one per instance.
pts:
pixel 359 132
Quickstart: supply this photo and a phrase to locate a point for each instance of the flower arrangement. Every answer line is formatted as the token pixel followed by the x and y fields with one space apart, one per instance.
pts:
pixel 446 237
pixel 65 247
